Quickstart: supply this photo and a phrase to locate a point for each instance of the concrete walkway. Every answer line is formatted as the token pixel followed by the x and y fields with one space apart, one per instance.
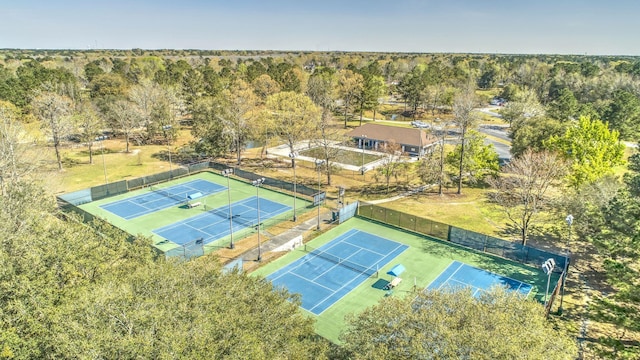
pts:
pixel 302 229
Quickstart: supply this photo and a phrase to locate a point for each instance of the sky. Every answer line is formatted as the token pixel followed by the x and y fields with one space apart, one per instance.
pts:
pixel 451 26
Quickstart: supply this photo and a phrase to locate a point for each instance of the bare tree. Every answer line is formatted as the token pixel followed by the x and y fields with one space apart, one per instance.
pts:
pixel 295 117
pixel 390 164
pixel 465 118
pixel 89 124
pixel 54 111
pixel 16 159
pixel 521 188
pixel 125 118
pixel 238 108
pixel 320 90
pixel 144 96
pixel 349 85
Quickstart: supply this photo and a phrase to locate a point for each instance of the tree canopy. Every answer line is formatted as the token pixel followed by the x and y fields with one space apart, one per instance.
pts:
pixel 455 325
pixel 591 147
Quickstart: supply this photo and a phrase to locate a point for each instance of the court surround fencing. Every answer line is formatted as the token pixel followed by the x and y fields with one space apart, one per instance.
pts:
pixel 69 201
pixel 506 249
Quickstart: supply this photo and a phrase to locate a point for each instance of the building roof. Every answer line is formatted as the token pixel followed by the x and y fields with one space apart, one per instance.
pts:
pixel 399 135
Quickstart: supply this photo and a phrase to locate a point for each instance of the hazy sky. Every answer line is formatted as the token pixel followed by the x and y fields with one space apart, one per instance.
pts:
pixel 479 26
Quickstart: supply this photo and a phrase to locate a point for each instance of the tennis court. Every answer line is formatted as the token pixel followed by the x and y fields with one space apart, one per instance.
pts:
pixel 214 224
pixel 161 198
pixel 328 273
pixel 459 275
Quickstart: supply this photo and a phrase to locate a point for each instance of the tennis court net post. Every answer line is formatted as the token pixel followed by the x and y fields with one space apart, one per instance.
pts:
pixel 370 271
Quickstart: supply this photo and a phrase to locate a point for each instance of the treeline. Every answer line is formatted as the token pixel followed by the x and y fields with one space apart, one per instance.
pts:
pixel 567 115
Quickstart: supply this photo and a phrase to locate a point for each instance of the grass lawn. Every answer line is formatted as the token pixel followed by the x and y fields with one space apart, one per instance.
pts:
pixel 424 260
pixel 349 157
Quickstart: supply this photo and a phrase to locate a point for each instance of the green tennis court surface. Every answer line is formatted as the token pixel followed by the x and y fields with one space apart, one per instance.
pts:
pixel 214 224
pixel 142 211
pixel 330 272
pixel 424 260
pixel 160 198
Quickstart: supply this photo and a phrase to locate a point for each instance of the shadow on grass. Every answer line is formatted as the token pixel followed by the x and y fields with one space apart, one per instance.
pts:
pixel 380 284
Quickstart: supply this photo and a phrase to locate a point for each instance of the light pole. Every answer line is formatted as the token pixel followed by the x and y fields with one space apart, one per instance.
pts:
pixel 101 139
pixel 227 173
pixel 319 164
pixel 569 220
pixel 547 267
pixel 293 156
pixel 164 129
pixel 257 184
pixel 362 140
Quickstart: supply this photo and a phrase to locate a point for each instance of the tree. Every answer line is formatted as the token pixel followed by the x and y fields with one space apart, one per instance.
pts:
pixel 432 166
pixel 350 84
pixel 264 86
pixel 108 86
pixel 187 310
pixel 614 230
pixel 565 105
pixel 16 159
pixel 48 262
pixel 320 91
pixel 531 133
pixel 623 114
pixel 295 117
pixel 144 96
pixel 391 162
pixel 208 128
pixel 479 160
pixel 412 87
pixel 90 126
pixel 465 118
pixel 591 147
pixel 124 117
pixel 54 111
pixel 193 86
pixel 374 88
pixel 237 110
pixel 455 325
pixel 522 106
pixel 522 187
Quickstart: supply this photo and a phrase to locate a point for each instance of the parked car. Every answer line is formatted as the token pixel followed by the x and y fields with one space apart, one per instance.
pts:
pixel 498 101
pixel 420 124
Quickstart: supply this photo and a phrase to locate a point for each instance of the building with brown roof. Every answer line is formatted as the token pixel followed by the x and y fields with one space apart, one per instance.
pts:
pixel 414 142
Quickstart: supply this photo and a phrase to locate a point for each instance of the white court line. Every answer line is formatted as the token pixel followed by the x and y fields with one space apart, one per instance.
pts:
pixel 437 277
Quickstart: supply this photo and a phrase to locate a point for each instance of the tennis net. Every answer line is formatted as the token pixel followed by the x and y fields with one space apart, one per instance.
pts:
pixel 236 218
pixel 168 194
pixel 342 262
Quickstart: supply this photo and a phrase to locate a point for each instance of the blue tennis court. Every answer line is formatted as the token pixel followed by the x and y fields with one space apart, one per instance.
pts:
pixel 156 200
pixel 214 224
pixel 330 272
pixel 459 275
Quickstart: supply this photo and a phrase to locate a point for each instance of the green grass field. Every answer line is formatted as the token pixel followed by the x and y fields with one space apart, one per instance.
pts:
pixel 240 190
pixel 424 260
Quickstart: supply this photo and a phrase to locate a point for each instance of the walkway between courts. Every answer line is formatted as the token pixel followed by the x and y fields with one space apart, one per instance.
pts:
pixel 298 230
